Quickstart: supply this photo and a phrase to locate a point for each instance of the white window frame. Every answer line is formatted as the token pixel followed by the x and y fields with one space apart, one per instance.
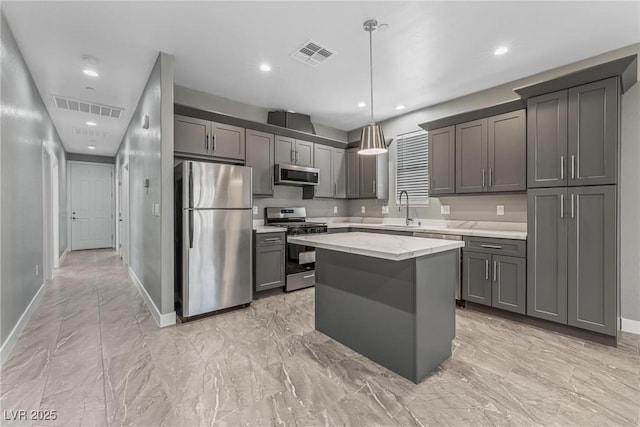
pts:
pixel 413 199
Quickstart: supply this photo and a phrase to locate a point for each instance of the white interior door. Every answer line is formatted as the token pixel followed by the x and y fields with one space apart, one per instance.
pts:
pixel 91 206
pixel 124 215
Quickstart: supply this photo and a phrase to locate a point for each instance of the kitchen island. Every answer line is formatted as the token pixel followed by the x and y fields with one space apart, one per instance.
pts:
pixel 390 298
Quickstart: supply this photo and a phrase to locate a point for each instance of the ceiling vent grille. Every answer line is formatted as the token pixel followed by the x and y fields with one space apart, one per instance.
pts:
pixel 312 53
pixel 90 133
pixel 87 107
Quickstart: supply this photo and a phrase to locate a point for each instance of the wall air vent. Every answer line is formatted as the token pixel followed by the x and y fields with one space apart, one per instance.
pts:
pixel 312 53
pixel 87 107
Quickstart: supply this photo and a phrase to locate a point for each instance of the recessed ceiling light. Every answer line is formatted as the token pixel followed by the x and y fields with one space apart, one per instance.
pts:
pixel 91 147
pixel 501 50
pixel 362 104
pixel 91 73
pixel 400 107
pixel 265 67
pixel 91 123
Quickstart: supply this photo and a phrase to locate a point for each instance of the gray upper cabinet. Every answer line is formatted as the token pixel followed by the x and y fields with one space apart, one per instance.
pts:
pixel 592 248
pixel 191 136
pixel 471 156
pixel 547 140
pixel 227 141
pixel 368 176
pixel 509 283
pixel 442 161
pixel 353 173
pixel 323 156
pixel 547 254
pixel 204 138
pixel 285 149
pixel 291 151
pixel 593 133
pixel 304 153
pixel 476 281
pixel 260 157
pixel 339 167
pixel 507 152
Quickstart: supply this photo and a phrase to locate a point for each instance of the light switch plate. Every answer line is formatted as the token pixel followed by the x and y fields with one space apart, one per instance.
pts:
pixel 335 209
pixel 255 210
pixel 445 210
pixel 362 209
pixel 385 209
pixel 500 210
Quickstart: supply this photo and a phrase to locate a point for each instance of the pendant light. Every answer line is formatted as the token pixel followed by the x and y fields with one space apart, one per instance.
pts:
pixel 371 139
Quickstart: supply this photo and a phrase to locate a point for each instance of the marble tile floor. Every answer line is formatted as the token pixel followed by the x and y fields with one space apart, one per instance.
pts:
pixel 93 354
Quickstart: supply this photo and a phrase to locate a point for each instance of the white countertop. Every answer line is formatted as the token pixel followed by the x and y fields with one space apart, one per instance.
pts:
pixel 384 246
pixel 268 229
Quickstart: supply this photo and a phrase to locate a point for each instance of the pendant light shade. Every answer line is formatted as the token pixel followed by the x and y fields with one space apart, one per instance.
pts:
pixel 372 138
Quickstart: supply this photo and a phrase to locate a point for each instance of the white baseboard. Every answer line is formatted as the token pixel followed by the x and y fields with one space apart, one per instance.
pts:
pixel 628 325
pixel 12 339
pixel 62 257
pixel 162 320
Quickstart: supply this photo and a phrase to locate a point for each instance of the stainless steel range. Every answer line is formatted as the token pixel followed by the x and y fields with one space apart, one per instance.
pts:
pixel 301 260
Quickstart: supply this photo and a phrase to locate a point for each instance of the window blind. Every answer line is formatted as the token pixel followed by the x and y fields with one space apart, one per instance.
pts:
pixel 412 167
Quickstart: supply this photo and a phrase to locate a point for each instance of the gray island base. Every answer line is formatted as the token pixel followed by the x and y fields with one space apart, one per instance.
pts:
pixel 398 312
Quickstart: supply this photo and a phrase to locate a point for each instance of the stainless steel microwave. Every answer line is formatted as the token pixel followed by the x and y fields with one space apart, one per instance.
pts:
pixel 296 175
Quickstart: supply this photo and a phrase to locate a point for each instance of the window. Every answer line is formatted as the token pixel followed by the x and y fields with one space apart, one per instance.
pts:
pixel 412 167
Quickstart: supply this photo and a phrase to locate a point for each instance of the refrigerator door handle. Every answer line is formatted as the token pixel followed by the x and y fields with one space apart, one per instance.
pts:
pixel 190 185
pixel 190 228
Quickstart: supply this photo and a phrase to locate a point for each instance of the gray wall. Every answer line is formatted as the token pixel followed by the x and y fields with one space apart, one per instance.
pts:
pixel 484 207
pixel 142 150
pixel 91 158
pixel 25 127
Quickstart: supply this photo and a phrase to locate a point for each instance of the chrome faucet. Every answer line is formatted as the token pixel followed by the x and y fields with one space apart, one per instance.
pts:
pixel 408 220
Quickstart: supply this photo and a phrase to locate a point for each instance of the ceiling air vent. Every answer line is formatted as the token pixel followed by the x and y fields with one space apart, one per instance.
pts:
pixel 90 132
pixel 87 107
pixel 312 53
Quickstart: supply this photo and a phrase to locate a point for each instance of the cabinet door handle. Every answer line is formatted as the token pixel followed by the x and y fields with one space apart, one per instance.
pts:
pixel 293 159
pixel 491 246
pixel 486 269
pixel 483 176
pixel 309 276
pixel 335 189
pixel 561 168
pixel 572 207
pixel 495 266
pixel 562 206
pixel 374 185
pixel 206 143
pixel 213 142
pixel 273 239
pixel 490 180
pixel 573 166
pixel 297 156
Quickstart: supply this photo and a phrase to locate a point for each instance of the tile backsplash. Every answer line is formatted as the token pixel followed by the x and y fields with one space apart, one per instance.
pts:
pixel 287 196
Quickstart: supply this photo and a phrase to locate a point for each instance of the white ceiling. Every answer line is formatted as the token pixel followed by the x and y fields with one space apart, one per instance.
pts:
pixel 431 52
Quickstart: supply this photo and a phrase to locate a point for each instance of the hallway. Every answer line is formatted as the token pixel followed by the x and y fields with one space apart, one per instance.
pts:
pixel 93 354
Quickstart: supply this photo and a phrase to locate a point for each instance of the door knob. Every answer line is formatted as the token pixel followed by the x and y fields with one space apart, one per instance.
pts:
pixel 74 217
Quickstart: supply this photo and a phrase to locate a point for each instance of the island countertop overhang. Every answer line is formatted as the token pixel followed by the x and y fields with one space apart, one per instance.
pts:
pixel 385 246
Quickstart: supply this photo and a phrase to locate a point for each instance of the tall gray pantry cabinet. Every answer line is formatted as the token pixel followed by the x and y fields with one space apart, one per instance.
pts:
pixel 572 138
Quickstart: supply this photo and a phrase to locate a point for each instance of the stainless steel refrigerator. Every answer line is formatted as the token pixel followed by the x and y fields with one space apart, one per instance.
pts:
pixel 213 237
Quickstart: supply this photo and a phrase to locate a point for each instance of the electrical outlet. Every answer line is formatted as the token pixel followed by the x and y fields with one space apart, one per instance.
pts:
pixel 335 209
pixel 362 209
pixel 255 210
pixel 37 269
pixel 385 209
pixel 500 210
pixel 445 210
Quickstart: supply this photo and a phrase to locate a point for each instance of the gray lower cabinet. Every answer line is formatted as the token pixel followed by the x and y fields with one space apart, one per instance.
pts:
pixel 476 283
pixel 471 156
pixel 204 138
pixel 442 161
pixel 353 173
pixel 291 151
pixel 494 273
pixel 323 157
pixel 339 167
pixel 572 256
pixel 269 261
pixel 260 157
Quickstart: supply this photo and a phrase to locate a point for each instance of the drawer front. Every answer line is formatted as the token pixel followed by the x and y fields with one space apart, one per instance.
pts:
pixel 267 239
pixel 517 248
